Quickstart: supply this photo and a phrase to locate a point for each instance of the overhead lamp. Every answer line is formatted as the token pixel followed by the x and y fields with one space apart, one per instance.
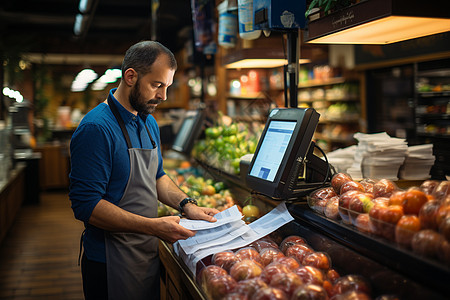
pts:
pixel 257 58
pixel 85 6
pixel 379 22
pixel 80 24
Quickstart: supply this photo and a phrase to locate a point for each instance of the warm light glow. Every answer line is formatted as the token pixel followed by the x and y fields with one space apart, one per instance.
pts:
pixel 386 30
pixel 261 63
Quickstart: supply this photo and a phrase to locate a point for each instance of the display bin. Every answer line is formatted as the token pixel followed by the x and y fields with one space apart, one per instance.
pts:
pixel 389 270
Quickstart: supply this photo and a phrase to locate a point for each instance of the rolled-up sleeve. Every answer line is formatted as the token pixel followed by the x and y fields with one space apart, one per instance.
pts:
pixel 90 154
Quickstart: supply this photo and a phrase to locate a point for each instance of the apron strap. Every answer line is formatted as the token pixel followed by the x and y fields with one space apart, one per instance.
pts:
pixel 116 114
pixel 119 119
pixel 81 245
pixel 148 131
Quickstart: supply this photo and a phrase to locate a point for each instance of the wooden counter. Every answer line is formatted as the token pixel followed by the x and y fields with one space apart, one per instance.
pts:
pixel 11 198
pixel 176 282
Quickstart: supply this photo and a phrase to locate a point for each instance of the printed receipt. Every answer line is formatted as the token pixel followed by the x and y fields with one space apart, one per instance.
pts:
pixel 263 226
pixel 229 215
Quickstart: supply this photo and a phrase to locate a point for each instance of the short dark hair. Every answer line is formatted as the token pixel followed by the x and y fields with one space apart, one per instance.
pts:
pixel 142 55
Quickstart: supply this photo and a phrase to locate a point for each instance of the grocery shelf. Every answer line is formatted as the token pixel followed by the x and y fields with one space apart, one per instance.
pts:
pixel 317 83
pixel 423 270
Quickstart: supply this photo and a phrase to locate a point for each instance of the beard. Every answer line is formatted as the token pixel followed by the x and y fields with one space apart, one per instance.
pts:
pixel 139 104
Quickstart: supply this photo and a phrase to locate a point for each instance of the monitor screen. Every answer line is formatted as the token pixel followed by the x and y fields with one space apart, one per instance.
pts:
pixel 273 149
pixel 183 133
pixel 189 131
pixel 280 156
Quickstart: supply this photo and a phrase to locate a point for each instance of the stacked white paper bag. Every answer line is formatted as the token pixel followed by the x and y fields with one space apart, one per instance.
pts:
pixel 418 162
pixel 378 156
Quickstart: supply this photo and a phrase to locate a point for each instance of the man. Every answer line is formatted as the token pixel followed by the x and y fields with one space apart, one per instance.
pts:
pixel 117 177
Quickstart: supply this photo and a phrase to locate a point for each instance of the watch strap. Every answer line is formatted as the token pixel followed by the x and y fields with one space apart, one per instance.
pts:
pixel 184 202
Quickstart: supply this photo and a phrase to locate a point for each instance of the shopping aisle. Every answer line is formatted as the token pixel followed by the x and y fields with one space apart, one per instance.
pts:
pixel 38 257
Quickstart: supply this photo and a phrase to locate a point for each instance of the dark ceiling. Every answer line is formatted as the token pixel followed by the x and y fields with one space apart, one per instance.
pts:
pixel 47 26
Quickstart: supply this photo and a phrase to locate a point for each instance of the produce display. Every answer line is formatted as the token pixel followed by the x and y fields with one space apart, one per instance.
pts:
pixel 417 218
pixel 207 192
pixel 224 145
pixel 289 270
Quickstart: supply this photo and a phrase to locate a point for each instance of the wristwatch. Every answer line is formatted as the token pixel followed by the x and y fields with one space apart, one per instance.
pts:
pixel 184 202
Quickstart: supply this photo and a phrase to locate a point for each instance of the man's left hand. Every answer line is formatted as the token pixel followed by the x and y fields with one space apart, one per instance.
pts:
pixel 195 212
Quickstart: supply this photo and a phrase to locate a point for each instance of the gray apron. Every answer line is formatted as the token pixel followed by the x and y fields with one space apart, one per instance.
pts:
pixel 132 259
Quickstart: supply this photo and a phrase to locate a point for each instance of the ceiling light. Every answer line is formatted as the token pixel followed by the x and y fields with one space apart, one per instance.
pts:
pixel 379 22
pixel 85 6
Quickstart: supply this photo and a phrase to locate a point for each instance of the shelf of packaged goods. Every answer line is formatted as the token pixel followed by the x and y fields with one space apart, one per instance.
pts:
pixel 258 96
pixel 434 94
pixel 403 261
pixel 346 99
pixel 340 120
pixel 431 116
pixel 319 83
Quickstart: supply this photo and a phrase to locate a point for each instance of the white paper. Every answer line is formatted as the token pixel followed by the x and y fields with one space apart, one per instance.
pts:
pixel 208 241
pixel 263 226
pixel 229 215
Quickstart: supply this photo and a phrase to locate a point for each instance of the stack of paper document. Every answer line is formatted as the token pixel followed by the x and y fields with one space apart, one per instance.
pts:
pixel 228 233
pixel 418 162
pixel 377 156
pixel 342 159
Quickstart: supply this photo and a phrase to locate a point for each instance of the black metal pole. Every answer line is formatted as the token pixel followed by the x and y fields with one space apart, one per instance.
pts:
pixel 292 67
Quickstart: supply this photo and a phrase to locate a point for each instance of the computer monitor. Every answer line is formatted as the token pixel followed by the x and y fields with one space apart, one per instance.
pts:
pixel 284 165
pixel 189 131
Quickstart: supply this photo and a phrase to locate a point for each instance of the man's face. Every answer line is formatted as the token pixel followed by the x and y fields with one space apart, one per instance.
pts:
pixel 151 89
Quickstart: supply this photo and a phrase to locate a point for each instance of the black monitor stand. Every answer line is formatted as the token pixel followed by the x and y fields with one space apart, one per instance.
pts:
pixel 307 175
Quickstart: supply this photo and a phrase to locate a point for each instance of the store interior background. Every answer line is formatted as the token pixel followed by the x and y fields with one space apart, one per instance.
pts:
pixel 42 56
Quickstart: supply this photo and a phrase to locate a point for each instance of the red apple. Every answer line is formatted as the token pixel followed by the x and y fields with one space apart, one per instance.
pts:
pixel 426 242
pixel 290 262
pixel 364 224
pixel 332 208
pixel 217 287
pixel 351 186
pixel 320 260
pixel 299 251
pixel 245 269
pixel 442 190
pixel 428 186
pixel 289 241
pixel 338 180
pixel 323 193
pixel 269 293
pixel 353 295
pixel 360 203
pixel 272 269
pixel 389 216
pixel 384 188
pixel 225 259
pixel 248 253
pixel 368 185
pixel 351 282
pixel 209 272
pixel 270 254
pixel 442 213
pixel 444 228
pixel 235 296
pixel 332 275
pixel 428 214
pixel 405 229
pixel 249 286
pixel 264 243
pixel 287 282
pixel 344 202
pixel 397 198
pixel 310 274
pixel 414 199
pixel 310 291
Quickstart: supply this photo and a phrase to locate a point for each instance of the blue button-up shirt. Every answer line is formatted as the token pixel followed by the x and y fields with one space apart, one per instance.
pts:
pixel 100 165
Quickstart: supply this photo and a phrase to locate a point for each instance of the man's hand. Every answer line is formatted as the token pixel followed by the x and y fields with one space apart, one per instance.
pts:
pixel 169 229
pixel 195 212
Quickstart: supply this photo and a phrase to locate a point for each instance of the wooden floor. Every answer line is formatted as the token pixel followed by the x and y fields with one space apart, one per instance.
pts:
pixel 38 257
